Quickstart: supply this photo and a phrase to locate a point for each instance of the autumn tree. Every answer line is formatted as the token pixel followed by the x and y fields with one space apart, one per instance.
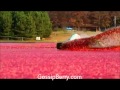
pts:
pixel 78 19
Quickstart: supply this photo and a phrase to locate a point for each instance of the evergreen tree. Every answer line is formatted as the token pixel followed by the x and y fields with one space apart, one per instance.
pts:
pixel 42 23
pixel 29 26
pixel 25 24
pixel 5 23
pixel 47 25
pixel 19 18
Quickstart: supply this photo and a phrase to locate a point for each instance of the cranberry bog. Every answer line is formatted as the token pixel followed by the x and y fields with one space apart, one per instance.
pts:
pixel 28 60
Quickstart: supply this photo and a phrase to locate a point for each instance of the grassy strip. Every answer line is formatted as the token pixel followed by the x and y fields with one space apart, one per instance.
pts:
pixel 58 36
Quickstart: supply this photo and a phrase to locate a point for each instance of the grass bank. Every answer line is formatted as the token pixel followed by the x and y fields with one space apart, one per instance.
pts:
pixel 56 36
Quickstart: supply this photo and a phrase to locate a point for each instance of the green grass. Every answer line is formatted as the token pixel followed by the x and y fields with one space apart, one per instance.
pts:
pixel 57 36
pixel 60 36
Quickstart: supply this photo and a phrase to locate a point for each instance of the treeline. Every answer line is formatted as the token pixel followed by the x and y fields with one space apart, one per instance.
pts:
pixel 102 19
pixel 41 23
pixel 25 24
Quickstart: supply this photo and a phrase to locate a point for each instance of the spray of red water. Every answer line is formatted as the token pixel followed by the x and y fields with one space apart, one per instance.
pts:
pixel 109 39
